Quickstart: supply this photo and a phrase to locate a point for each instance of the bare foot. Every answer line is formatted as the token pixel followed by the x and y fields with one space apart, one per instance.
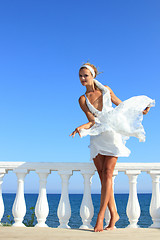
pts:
pixel 99 224
pixel 113 221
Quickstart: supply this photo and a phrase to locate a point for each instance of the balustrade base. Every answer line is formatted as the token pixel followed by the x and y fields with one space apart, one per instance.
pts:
pixel 133 225
pixel 83 226
pixel 64 226
pixel 41 225
pixel 155 225
pixel 18 225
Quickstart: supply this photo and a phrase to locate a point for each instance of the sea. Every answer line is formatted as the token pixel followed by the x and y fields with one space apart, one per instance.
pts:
pixel 75 200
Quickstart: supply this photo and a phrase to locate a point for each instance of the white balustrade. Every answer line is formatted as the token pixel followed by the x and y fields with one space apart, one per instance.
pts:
pixel 133 207
pixel 87 209
pixel 19 206
pixel 42 208
pixel 87 170
pixel 64 207
pixel 2 173
pixel 155 201
pixel 107 214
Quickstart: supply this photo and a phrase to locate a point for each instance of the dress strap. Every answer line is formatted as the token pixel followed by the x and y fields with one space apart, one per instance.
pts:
pixel 100 85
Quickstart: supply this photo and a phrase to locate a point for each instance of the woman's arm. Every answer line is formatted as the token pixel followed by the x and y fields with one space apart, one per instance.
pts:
pixel 117 101
pixel 89 115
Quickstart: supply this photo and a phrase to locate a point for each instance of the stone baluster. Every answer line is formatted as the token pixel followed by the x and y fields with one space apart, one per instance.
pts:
pixel 133 207
pixel 2 173
pixel 19 206
pixel 155 201
pixel 107 215
pixel 87 209
pixel 64 207
pixel 42 208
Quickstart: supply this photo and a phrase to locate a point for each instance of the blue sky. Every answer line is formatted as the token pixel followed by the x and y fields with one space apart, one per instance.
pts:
pixel 42 46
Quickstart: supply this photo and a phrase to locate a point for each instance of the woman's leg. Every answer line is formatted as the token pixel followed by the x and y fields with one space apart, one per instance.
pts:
pixel 113 212
pixel 105 167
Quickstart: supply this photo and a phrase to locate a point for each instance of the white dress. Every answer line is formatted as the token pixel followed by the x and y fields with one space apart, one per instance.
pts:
pixel 113 126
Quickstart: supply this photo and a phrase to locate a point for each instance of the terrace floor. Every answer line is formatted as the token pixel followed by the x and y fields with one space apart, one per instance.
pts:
pixel 14 233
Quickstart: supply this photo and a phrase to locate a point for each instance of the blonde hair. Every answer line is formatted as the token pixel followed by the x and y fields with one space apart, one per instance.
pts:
pixel 91 65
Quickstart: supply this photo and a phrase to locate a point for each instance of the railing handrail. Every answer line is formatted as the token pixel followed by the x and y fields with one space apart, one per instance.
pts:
pixel 75 166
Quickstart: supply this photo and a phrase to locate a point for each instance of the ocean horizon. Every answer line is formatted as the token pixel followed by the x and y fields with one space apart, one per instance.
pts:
pixel 75 200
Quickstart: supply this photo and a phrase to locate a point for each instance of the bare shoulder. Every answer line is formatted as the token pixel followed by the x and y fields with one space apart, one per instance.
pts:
pixel 108 88
pixel 82 101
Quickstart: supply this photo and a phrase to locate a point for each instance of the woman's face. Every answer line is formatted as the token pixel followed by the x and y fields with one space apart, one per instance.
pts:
pixel 85 77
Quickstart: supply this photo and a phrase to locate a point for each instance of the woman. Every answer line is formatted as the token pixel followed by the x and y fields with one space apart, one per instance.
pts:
pixel 108 128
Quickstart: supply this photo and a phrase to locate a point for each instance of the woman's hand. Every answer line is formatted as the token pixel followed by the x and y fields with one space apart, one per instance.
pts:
pixel 146 110
pixel 77 130
pixel 84 126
